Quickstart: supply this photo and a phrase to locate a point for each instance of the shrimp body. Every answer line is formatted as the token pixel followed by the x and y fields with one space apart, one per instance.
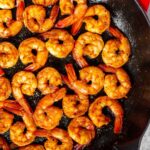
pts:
pixel 5 88
pixel 46 115
pixel 26 55
pixel 44 2
pixel 3 144
pixel 6 120
pixel 99 25
pixel 7 4
pixel 53 136
pixel 99 119
pixel 111 87
pixel 48 80
pixel 54 47
pixel 88 44
pixel 24 82
pixel 116 52
pixel 8 55
pixel 35 18
pixel 74 106
pixel 13 27
pixel 81 130
pixel 32 147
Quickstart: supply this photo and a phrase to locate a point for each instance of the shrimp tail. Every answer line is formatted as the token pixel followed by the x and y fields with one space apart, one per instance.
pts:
pixel 1 72
pixel 115 32
pixel 107 68
pixel 3 144
pixel 20 9
pixel 79 147
pixel 59 94
pixel 76 27
pixel 81 62
pixel 33 67
pixel 54 13
pixel 118 125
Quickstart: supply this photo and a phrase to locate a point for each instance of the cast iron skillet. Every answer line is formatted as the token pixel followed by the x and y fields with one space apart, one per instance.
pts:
pixel 127 16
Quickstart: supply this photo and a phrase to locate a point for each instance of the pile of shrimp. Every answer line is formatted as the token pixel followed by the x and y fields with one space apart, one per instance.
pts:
pixel 86 114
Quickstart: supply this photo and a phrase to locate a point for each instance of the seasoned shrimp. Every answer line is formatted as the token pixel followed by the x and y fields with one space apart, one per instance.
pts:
pixel 27 56
pixel 87 44
pixel 7 4
pixel 44 2
pixel 46 115
pixel 48 80
pixel 8 26
pixel 24 82
pixel 81 130
pixel 116 52
pixel 35 18
pixel 8 55
pixel 99 25
pixel 111 87
pixel 6 120
pixel 53 137
pixel 88 74
pixel 74 106
pixel 32 147
pixel 67 8
pixel 3 144
pixel 54 45
pixel 99 119
pixel 5 88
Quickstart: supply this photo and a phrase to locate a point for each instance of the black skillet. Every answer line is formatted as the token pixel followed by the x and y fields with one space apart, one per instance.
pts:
pixel 130 19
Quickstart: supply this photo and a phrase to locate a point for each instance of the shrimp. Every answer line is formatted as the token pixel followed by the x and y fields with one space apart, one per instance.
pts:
pixel 46 115
pixel 54 45
pixel 67 8
pixel 27 56
pixel 24 82
pixel 111 87
pixel 44 2
pixel 3 144
pixel 8 26
pixel 32 147
pixel 7 4
pixel 81 130
pixel 99 119
pixel 8 55
pixel 116 52
pixel 88 74
pixel 48 80
pixel 74 106
pixel 5 88
pixel 53 137
pixel 35 18
pixel 99 25
pixel 87 44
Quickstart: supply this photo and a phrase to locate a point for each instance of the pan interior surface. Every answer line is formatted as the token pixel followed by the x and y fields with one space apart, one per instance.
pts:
pixel 127 16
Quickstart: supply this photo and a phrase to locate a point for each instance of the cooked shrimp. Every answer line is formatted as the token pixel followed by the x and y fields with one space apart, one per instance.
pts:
pixel 99 25
pixel 1 72
pixel 8 55
pixel 74 106
pixel 81 130
pixel 3 144
pixel 27 55
pixel 24 82
pixel 35 18
pixel 32 147
pixel 6 120
pixel 99 119
pixel 116 52
pixel 111 87
pixel 46 115
pixel 88 74
pixel 7 4
pixel 53 137
pixel 44 2
pixel 8 26
pixel 67 8
pixel 87 44
pixel 5 88
pixel 22 133
pixel 48 80
pixel 54 46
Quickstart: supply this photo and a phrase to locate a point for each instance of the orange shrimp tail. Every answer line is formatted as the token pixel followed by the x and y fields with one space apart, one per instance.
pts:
pixel 1 72
pixel 76 27
pixel 79 147
pixel 115 32
pixel 118 125
pixel 20 9
pixel 33 67
pixel 3 144
pixel 54 13
pixel 41 133
pixel 70 73
pixel 81 62
pixel 59 94
pixel 107 68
